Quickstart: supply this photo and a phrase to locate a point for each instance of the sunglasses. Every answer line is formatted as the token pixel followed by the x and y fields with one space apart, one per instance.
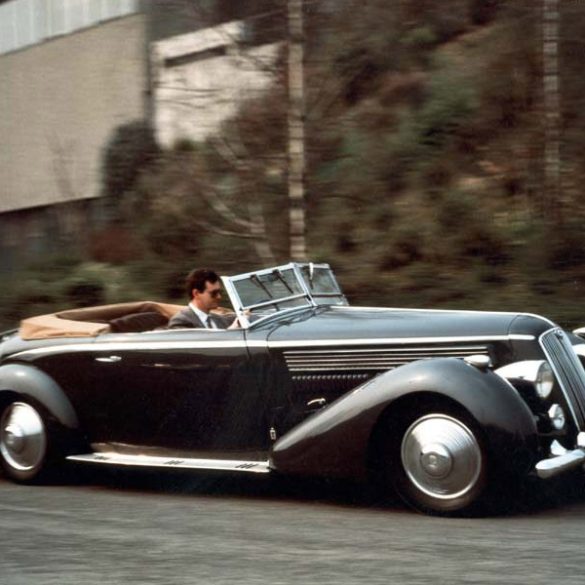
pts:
pixel 215 293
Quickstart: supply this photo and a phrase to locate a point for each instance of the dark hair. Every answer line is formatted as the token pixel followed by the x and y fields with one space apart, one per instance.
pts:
pixel 196 279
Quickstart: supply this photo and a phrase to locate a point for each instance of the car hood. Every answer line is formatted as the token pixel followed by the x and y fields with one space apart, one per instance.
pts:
pixel 366 323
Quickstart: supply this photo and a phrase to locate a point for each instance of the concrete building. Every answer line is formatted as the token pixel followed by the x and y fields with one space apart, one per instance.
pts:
pixel 200 78
pixel 74 71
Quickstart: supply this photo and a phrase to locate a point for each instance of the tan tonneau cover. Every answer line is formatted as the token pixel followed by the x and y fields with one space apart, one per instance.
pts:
pixel 88 322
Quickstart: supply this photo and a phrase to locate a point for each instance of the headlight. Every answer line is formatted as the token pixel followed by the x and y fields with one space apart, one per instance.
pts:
pixel 537 372
pixel 557 417
pixel 545 380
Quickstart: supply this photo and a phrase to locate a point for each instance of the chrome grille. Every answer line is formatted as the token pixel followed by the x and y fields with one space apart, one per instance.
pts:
pixel 371 359
pixel 568 371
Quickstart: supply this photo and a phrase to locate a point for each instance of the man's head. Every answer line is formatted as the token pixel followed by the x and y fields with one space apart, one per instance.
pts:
pixel 204 289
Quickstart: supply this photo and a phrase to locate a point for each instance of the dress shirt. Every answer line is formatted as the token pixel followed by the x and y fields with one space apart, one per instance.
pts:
pixel 203 317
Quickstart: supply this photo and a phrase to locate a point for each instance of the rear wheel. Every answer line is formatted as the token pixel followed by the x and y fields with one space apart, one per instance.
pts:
pixel 437 462
pixel 23 442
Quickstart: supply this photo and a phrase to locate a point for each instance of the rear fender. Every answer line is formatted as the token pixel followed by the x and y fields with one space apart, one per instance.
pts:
pixel 30 383
pixel 335 441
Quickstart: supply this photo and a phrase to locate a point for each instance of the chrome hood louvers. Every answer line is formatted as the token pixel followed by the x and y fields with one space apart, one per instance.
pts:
pixel 375 360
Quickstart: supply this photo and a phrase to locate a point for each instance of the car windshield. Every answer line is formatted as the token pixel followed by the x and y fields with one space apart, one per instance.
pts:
pixel 271 291
pixel 322 285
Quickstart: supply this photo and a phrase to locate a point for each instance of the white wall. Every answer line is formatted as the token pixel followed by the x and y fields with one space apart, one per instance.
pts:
pixel 200 79
pixel 27 22
pixel 60 102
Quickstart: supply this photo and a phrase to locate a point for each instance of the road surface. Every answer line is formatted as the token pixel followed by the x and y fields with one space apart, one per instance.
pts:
pixel 167 529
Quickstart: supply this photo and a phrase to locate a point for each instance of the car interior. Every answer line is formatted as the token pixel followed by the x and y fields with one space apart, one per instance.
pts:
pixel 90 322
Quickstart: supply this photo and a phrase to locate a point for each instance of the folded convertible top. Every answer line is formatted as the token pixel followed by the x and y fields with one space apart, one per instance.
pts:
pixel 88 322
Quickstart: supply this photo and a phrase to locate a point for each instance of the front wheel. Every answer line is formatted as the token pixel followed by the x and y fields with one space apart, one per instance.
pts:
pixel 439 465
pixel 23 442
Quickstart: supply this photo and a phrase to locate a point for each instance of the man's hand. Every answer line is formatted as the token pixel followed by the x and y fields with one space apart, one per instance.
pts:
pixel 236 322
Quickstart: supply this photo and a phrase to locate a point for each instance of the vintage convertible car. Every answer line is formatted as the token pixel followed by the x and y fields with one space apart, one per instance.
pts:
pixel 442 406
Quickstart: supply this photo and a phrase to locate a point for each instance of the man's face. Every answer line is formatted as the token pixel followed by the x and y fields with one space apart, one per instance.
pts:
pixel 209 298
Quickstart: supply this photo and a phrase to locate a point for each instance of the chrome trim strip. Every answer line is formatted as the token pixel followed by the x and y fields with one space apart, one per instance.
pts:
pixel 139 346
pixel 393 340
pixel 389 350
pixel 340 358
pixel 367 358
pixel 348 368
pixel 371 361
pixel 172 462
pixel 146 345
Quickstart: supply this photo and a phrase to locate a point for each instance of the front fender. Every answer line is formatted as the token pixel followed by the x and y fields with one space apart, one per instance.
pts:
pixel 335 441
pixel 31 383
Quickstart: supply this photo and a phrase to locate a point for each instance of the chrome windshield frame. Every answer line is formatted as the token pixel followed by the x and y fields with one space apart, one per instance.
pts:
pixel 243 311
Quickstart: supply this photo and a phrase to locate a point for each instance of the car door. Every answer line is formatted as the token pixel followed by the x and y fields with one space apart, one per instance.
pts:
pixel 188 390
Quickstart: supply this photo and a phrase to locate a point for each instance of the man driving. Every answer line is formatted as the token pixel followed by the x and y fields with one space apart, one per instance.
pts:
pixel 203 289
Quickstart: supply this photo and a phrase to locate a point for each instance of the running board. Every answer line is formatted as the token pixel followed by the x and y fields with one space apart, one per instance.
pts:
pixel 171 462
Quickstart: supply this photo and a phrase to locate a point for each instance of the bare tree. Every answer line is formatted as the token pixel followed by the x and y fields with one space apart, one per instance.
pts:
pixel 244 219
pixel 252 225
pixel 296 129
pixel 551 80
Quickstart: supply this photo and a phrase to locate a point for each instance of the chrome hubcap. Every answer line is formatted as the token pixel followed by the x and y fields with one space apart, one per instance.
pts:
pixel 441 456
pixel 23 441
pixel 14 438
pixel 436 460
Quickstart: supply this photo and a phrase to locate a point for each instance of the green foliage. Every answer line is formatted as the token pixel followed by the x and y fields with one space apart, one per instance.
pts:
pixel 450 105
pixel 567 248
pixel 424 135
pixel 420 38
pixel 447 20
pixel 96 283
pixel 55 283
pixel 418 44
pixel 131 148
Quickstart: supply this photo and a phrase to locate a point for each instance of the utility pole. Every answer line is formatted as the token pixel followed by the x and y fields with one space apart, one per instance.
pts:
pixel 296 132
pixel 552 110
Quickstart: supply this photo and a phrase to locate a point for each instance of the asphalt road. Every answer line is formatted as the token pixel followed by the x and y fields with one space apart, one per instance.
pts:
pixel 120 529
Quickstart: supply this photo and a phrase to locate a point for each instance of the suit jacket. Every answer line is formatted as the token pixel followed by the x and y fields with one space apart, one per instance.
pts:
pixel 187 318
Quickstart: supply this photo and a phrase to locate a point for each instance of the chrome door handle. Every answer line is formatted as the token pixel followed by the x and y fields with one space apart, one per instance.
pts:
pixel 317 403
pixel 111 359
